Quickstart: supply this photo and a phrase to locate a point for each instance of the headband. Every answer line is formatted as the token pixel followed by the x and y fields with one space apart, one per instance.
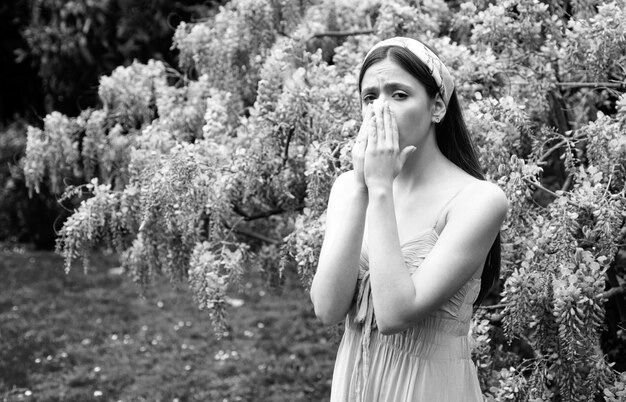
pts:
pixel 437 69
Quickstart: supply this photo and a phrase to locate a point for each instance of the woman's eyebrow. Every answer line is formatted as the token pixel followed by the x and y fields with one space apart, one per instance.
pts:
pixel 388 86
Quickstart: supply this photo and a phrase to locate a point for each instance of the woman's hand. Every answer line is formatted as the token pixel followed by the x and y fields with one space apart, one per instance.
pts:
pixel 383 158
pixel 358 150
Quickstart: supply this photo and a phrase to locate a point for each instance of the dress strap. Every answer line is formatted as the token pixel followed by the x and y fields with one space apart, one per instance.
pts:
pixel 443 209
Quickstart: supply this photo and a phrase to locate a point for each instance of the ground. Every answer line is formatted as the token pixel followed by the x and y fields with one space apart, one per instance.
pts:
pixel 92 337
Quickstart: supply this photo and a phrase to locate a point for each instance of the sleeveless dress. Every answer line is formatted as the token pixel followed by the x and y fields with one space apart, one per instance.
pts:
pixel 429 362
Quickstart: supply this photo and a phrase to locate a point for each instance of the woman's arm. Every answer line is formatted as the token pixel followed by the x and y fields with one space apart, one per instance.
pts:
pixel 400 299
pixel 337 272
pixel 334 283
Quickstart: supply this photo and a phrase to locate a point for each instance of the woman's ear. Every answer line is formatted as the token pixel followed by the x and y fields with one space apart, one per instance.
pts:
pixel 439 109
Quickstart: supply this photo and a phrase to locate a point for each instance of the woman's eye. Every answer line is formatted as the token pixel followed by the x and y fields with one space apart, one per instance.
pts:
pixel 399 95
pixel 369 98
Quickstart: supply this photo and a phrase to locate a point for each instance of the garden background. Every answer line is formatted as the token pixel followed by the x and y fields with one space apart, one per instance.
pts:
pixel 179 155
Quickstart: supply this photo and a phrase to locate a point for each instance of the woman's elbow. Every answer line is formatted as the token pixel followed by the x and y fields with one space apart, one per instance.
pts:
pixel 328 318
pixel 387 329
pixel 389 324
pixel 393 325
pixel 325 311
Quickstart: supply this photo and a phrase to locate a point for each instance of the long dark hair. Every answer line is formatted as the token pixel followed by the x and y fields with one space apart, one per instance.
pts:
pixel 453 140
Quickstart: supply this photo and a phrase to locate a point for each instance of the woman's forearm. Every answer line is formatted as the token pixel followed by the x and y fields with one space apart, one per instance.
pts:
pixel 393 291
pixel 334 283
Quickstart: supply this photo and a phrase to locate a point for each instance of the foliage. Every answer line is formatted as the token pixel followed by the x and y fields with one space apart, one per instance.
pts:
pixel 21 94
pixel 228 167
pixel 23 218
pixel 53 53
pixel 72 43
pixel 12 141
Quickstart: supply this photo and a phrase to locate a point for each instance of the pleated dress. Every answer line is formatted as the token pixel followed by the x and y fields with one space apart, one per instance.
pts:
pixel 429 362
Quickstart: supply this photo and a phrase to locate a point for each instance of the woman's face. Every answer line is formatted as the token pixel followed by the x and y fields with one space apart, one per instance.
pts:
pixel 386 81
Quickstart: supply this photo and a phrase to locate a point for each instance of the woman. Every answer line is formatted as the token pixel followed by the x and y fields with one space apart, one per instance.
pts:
pixel 412 238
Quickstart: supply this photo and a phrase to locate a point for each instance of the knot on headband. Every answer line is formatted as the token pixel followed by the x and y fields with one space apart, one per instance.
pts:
pixel 437 69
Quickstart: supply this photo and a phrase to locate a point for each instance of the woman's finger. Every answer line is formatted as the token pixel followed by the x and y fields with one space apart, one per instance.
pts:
pixel 395 136
pixel 380 125
pixel 373 133
pixel 389 138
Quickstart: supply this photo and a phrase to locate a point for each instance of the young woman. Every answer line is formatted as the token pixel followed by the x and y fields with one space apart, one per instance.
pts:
pixel 412 238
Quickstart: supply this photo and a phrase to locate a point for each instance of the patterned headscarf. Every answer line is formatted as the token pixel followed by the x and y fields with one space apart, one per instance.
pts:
pixel 437 69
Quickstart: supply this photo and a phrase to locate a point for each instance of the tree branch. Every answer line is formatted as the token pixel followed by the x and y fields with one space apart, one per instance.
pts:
pixel 257 236
pixel 552 193
pixel 558 112
pixel 260 215
pixel 612 292
pixel 494 306
pixel 494 318
pixel 343 33
pixel 618 85
pixel 287 143
pixel 568 182
pixel 559 145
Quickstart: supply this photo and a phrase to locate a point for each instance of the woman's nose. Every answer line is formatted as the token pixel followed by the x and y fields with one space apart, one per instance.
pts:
pixel 379 103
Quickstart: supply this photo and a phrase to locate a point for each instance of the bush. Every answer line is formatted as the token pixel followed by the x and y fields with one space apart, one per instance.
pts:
pixel 72 43
pixel 54 53
pixel 23 218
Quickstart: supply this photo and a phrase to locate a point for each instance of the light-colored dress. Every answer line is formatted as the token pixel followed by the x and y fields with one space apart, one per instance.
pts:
pixel 426 363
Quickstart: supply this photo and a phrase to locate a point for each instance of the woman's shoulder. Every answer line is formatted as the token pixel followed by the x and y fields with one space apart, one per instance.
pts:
pixel 473 189
pixel 483 195
pixel 485 188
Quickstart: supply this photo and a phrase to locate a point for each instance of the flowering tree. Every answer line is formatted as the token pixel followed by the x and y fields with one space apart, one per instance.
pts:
pixel 226 168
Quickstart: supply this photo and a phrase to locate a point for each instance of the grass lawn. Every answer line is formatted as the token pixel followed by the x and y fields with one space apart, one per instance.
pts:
pixel 92 337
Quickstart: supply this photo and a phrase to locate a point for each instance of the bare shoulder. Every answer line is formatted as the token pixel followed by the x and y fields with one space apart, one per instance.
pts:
pixel 485 197
pixel 485 190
